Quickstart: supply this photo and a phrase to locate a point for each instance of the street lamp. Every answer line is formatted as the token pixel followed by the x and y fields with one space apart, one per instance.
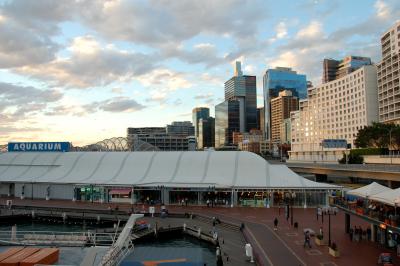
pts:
pixel 329 211
pixel 292 198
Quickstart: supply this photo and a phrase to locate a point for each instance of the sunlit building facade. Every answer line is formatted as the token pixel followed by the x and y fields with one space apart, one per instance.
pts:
pixel 335 110
pixel 388 76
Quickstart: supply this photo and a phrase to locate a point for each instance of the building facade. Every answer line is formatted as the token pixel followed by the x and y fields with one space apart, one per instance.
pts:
pixel 179 138
pixel 243 88
pixel 238 113
pixel 261 119
pixel 276 80
pixel 336 69
pixel 206 137
pixel 335 110
pixel 227 121
pixel 197 114
pixel 281 107
pixel 180 128
pixel 388 76
pixel 286 131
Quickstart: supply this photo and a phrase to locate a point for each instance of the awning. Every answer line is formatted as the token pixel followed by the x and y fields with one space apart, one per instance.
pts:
pixel 390 197
pixel 368 190
pixel 121 191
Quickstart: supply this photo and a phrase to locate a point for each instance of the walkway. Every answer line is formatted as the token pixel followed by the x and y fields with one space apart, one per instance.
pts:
pixel 282 247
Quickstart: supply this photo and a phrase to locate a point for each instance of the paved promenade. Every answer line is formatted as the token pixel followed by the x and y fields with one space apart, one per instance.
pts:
pixel 281 247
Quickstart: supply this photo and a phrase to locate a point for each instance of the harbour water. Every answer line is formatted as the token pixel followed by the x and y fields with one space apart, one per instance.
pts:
pixel 182 250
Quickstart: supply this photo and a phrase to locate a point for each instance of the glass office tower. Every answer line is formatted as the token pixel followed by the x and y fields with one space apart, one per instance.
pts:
pixel 227 121
pixel 277 80
pixel 197 114
pixel 245 88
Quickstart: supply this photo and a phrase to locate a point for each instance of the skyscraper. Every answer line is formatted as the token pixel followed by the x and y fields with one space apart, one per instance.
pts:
pixel 276 80
pixel 238 113
pixel 388 76
pixel 335 69
pixel 281 107
pixel 206 133
pixel 243 88
pixel 197 114
pixel 227 121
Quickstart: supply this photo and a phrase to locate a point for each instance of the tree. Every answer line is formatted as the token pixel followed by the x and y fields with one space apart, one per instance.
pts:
pixel 377 136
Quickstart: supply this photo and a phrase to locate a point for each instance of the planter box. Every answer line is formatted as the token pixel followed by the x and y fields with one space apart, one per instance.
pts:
pixel 319 242
pixel 334 253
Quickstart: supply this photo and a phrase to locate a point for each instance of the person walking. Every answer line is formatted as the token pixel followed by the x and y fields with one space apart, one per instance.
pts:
pixel 276 224
pixel 307 239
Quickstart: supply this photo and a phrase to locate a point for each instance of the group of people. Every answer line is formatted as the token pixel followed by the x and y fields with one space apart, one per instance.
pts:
pixel 357 234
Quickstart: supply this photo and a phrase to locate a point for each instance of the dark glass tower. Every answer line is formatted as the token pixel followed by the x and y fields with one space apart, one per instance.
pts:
pixel 227 121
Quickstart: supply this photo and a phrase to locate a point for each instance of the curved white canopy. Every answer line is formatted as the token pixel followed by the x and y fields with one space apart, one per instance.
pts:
pixel 389 197
pixel 231 169
pixel 368 190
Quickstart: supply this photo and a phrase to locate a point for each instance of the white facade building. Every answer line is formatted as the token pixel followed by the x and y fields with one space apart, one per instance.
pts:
pixel 334 111
pixel 388 76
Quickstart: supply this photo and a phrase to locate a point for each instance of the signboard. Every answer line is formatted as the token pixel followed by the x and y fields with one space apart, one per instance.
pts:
pixel 334 143
pixel 38 146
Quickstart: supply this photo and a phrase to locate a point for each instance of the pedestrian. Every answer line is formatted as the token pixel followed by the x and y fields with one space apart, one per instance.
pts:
pixel 307 239
pixel 321 232
pixel 208 203
pixel 276 224
pixel 369 234
pixel 182 202
pixel 186 201
pixel 351 234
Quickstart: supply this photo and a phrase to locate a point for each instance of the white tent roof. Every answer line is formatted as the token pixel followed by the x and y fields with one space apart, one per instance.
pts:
pixel 368 190
pixel 389 197
pixel 231 169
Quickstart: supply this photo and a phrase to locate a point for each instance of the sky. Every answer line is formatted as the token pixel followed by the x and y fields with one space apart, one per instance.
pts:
pixel 86 70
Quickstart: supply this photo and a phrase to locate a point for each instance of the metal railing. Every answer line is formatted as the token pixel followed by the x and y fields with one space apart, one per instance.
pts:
pixel 54 238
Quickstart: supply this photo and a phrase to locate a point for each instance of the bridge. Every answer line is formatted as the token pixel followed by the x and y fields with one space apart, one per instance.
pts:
pixel 389 173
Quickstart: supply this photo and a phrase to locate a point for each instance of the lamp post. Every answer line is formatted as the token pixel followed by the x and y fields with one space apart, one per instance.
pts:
pixel 329 211
pixel 293 196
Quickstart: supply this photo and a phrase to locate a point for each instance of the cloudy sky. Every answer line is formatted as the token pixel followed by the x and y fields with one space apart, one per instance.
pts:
pixel 83 71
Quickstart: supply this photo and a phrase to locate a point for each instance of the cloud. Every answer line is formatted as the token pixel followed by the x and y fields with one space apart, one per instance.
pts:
pixel 20 47
pixel 203 96
pixel 313 30
pixel 281 30
pixel 115 105
pixel 90 65
pixel 172 21
pixel 204 53
pixel 16 101
pixel 165 79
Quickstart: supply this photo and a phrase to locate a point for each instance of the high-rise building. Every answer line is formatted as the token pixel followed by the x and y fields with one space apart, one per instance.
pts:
pixel 277 80
pixel 335 69
pixel 388 76
pixel 180 128
pixel 227 121
pixel 238 113
pixel 330 118
pixel 286 131
pixel 243 88
pixel 281 107
pixel 206 137
pixel 261 119
pixel 197 114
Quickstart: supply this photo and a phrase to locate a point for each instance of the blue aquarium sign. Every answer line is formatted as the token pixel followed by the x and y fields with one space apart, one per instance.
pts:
pixel 39 146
